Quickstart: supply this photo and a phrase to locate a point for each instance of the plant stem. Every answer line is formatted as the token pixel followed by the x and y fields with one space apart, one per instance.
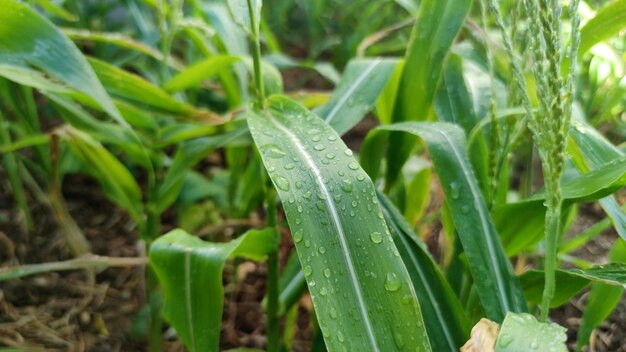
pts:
pixel 553 230
pixel 256 56
pixel 273 292
pixel 11 165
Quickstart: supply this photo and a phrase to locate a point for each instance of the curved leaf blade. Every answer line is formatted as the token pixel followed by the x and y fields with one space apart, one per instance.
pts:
pixel 606 23
pixel 190 272
pixel 362 82
pixel 438 23
pixel 498 286
pixel 339 232
pixel 446 322
pixel 193 75
pixel 29 39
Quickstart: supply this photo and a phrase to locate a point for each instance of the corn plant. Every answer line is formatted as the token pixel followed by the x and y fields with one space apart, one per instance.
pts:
pixel 474 96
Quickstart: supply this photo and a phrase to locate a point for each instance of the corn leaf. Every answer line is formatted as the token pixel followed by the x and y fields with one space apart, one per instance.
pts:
pixel 567 286
pixel 116 181
pixel 190 272
pixel 241 13
pixel 203 70
pixel 362 293
pixel 29 39
pixel 446 322
pixel 606 23
pixel 602 299
pixel 522 333
pixel 591 150
pixel 362 82
pixel 498 287
pixel 136 89
pixel 117 39
pixel 438 23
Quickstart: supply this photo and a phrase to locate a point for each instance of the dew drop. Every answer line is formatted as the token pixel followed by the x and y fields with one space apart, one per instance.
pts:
pixel 282 183
pixel 399 341
pixel 346 185
pixel 289 166
pixel 340 336
pixel 455 188
pixel 307 243
pixel 308 271
pixel 319 147
pixel 332 138
pixel 348 152
pixel 333 313
pixel 327 272
pixel 360 177
pixel 376 237
pixel 353 165
pixel 273 151
pixel 323 291
pixel 316 138
pixel 330 156
pixel 505 340
pixel 392 282
pixel 298 184
pixel 322 250
pixel 354 203
pixel 298 235
pixel 300 209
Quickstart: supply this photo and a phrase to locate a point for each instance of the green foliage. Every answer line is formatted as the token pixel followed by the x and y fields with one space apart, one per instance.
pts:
pixel 190 271
pixel 338 229
pixel 184 122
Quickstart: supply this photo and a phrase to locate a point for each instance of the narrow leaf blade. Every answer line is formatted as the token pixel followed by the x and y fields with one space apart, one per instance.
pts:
pixel 360 288
pixel 498 287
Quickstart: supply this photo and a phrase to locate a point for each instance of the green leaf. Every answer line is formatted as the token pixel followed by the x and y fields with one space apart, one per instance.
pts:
pixel 187 156
pixel 567 286
pixel 605 24
pixel 446 322
pixel 438 23
pixel 362 82
pixel 117 182
pixel 522 333
pixel 190 272
pixel 56 10
pixel 133 88
pixel 117 39
pixel 593 185
pixel 29 39
pixel 453 101
pixel 591 150
pixel 203 70
pixel 498 287
pixel 602 299
pixel 241 13
pixel 339 233
pixel 610 274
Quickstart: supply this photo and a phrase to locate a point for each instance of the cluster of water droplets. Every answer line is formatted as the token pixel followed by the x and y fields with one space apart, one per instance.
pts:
pixel 340 185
